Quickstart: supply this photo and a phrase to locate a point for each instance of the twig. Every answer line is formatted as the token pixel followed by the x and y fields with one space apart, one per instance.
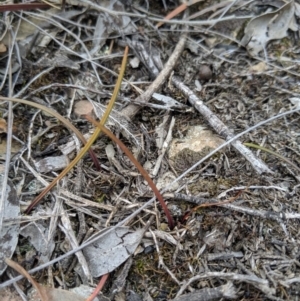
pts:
pixel 223 194
pixel 164 148
pixel 161 261
pixel 4 178
pixel 277 216
pixel 227 291
pixel 70 235
pixel 220 127
pixel 131 110
pixel 261 284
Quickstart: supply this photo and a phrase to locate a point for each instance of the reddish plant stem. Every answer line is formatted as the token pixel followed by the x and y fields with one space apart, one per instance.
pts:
pixel 138 166
pixel 98 288
pixel 22 6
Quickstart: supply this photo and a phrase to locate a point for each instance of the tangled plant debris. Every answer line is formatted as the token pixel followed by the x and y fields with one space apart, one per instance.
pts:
pixel 198 74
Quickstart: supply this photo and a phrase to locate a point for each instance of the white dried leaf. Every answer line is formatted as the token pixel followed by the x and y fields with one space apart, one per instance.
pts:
pixel 9 233
pixel 267 27
pixel 52 164
pixel 111 250
pixel 295 101
pixel 110 151
pixel 38 237
pixel 134 62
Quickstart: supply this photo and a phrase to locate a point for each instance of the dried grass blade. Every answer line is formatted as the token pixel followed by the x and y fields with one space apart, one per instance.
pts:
pixel 90 141
pixel 273 153
pixel 65 121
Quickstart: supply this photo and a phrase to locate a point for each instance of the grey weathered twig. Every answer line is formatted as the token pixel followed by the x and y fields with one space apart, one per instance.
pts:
pixel 216 293
pixel 213 120
pixel 220 127
pixel 261 284
pixel 132 109
pixel 276 216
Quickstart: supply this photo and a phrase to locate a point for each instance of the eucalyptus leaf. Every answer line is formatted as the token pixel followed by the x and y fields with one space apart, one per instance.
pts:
pixel 9 233
pixel 267 27
pixel 111 250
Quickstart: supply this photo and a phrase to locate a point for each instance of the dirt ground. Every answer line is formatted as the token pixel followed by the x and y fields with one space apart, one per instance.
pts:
pixel 236 232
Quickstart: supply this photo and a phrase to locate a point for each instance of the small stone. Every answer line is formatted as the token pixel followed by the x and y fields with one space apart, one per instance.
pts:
pixel 205 72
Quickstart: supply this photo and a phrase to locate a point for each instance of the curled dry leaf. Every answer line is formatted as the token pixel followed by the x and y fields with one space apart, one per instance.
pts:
pixel 38 235
pixel 53 163
pixel 267 27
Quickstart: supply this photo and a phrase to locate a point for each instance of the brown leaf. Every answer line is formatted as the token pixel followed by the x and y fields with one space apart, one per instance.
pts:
pixel 15 147
pixel 3 124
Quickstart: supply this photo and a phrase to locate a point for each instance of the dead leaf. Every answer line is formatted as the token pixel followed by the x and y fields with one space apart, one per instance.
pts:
pixel 197 138
pixel 3 124
pixel 53 294
pixel 111 250
pixel 38 235
pixel 295 101
pixel 53 163
pixel 83 107
pixel 10 233
pixel 3 48
pixel 260 67
pixel 15 147
pixel 134 62
pixel 267 27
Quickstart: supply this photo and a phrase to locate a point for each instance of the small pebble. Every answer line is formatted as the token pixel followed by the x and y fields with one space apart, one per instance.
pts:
pixel 205 72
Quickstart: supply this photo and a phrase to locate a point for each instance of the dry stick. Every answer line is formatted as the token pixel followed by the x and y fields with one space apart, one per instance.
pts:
pixel 132 109
pixel 213 120
pixel 261 284
pixel 272 215
pixel 4 177
pixel 226 291
pixel 220 127
pixel 164 148
pixel 134 214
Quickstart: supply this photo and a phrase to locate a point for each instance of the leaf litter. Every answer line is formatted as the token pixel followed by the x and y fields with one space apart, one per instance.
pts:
pixel 247 245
